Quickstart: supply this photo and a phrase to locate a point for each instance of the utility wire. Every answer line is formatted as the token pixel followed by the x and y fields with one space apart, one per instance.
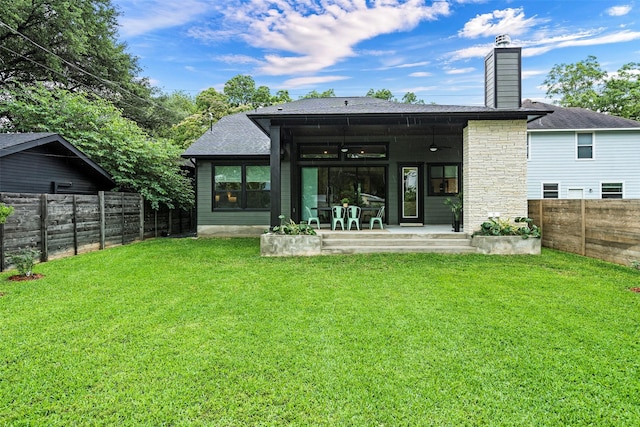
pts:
pixel 82 71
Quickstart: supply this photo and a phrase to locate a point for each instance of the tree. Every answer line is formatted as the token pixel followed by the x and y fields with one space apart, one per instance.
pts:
pixel 315 94
pixel 240 90
pixel 411 98
pixel 73 44
pixel 578 85
pixel 381 94
pixel 135 161
pixel 621 94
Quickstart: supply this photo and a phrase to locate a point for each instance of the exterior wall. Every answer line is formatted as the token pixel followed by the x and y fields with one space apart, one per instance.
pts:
pixel 552 159
pixel 494 170
pixel 224 222
pixel 34 171
pixel 502 78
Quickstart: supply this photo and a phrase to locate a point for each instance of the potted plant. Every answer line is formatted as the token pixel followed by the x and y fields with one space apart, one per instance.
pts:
pixel 455 204
pixel 345 201
pixel 502 236
pixel 290 239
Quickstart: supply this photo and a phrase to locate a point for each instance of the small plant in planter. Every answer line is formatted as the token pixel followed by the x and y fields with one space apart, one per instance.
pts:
pixel 24 260
pixel 455 204
pixel 345 201
pixel 504 227
pixel 291 228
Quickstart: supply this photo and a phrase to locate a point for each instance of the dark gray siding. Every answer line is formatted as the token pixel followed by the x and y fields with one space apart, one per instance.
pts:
pixel 47 169
pixel 206 216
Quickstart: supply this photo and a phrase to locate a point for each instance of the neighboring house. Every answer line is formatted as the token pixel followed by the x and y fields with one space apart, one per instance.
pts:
pixel 580 154
pixel 299 158
pixel 47 163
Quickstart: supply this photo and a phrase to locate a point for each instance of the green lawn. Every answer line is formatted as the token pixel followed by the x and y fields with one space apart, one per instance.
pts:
pixel 206 332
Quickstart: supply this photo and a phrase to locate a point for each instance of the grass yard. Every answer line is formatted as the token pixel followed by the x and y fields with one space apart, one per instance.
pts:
pixel 206 332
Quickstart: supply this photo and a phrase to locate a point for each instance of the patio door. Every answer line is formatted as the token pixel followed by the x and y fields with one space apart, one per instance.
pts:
pixel 411 211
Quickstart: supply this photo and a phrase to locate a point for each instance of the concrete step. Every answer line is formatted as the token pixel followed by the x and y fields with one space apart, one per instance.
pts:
pixel 351 242
pixel 398 249
pixel 381 242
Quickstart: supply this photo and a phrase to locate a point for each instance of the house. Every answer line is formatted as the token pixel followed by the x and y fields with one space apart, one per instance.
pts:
pixel 299 158
pixel 580 154
pixel 47 163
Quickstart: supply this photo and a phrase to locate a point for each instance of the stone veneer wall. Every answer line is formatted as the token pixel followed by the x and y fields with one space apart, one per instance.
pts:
pixel 494 170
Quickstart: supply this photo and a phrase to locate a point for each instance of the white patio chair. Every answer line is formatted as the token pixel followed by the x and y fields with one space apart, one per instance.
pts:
pixel 377 218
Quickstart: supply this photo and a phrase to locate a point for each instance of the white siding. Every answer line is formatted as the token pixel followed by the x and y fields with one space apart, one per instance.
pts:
pixel 552 159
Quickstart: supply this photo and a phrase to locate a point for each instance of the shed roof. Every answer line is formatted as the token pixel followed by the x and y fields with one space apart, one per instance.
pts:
pixel 11 143
pixel 575 118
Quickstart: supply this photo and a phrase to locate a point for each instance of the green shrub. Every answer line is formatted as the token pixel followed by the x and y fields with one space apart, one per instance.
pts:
pixel 504 227
pixel 24 260
pixel 5 211
pixel 292 228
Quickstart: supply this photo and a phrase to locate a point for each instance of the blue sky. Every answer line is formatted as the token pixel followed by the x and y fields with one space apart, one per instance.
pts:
pixel 432 48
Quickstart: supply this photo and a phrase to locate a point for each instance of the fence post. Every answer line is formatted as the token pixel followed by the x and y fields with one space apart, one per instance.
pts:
pixel 583 220
pixel 44 232
pixel 141 217
pixel 74 220
pixel 123 222
pixel 1 247
pixel 102 219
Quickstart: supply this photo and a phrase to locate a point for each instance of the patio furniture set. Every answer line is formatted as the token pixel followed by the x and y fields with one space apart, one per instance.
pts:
pixel 352 215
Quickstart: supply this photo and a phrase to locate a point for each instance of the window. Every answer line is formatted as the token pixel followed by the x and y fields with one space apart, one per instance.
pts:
pixel 585 145
pixel 550 191
pixel 370 151
pixel 612 190
pixel 241 186
pixel 326 151
pixel 444 179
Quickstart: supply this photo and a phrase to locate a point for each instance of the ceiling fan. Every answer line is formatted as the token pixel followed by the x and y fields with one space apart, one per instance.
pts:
pixel 433 147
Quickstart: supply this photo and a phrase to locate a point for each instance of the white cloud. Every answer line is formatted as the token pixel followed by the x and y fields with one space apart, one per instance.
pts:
pixel 317 34
pixel 460 70
pixel 507 21
pixel 619 10
pixel 420 74
pixel 544 43
pixel 311 81
pixel 619 37
pixel 144 16
pixel 526 74
pixel 190 68
pixel 237 59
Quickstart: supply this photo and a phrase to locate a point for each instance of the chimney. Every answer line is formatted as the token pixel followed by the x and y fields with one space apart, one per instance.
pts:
pixel 502 75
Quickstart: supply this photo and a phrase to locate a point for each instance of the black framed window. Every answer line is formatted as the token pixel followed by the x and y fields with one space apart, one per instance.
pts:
pixel 318 151
pixel 366 151
pixel 550 190
pixel 242 186
pixel 444 179
pixel 611 190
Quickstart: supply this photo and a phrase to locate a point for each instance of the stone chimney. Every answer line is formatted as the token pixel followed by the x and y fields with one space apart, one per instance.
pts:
pixel 502 75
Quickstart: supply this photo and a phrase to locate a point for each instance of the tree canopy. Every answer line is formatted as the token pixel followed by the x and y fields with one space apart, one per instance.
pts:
pixel 137 163
pixel 585 84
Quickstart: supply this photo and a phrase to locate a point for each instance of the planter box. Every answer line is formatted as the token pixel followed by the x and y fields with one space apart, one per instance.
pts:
pixel 507 245
pixel 290 245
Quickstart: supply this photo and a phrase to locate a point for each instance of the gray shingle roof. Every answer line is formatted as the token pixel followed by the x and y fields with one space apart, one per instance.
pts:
pixel 233 135
pixel 576 118
pixel 11 143
pixel 13 140
pixel 361 105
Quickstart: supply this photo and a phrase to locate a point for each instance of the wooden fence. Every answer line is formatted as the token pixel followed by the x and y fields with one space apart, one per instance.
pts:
pixel 63 225
pixel 606 229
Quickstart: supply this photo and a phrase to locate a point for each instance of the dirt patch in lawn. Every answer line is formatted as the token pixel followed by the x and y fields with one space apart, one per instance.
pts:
pixel 19 278
pixel 637 290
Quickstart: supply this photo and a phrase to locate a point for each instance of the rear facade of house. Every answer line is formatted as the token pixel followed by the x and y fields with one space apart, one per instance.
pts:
pixel 302 157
